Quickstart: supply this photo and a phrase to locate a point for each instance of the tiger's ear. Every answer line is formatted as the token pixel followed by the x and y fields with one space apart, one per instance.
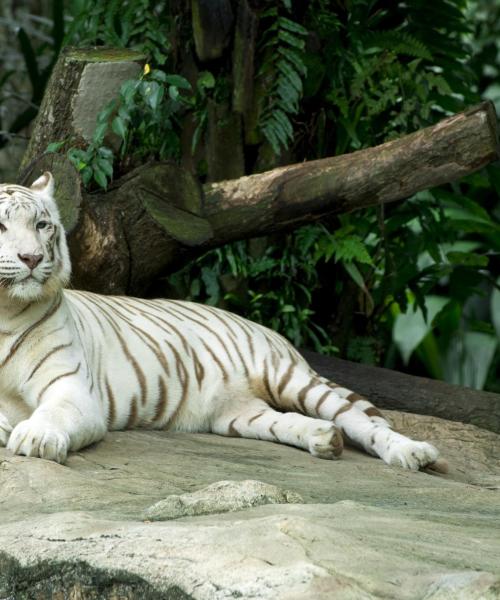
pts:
pixel 44 185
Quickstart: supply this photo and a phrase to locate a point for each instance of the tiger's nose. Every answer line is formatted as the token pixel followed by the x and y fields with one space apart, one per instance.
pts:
pixel 32 260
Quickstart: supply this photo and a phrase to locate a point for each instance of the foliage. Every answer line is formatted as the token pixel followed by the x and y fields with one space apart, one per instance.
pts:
pixel 136 24
pixel 38 46
pixel 144 119
pixel 281 53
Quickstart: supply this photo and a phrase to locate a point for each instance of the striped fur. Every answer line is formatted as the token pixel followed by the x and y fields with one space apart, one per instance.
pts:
pixel 75 364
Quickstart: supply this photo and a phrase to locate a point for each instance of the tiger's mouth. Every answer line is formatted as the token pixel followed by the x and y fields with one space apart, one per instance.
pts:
pixel 30 287
pixel 10 281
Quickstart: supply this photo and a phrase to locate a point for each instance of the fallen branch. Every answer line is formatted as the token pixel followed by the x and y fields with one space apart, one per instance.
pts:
pixel 290 196
pixel 399 391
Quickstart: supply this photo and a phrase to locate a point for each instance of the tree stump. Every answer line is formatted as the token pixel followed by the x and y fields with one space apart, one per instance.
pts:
pixel 82 83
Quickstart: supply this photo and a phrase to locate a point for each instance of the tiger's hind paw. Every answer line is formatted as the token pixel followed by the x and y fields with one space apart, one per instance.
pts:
pixel 411 455
pixel 326 442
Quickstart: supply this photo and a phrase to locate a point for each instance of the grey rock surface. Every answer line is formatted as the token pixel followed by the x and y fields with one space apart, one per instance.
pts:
pixel 363 531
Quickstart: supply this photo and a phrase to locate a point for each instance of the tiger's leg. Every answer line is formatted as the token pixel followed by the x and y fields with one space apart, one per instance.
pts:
pixel 67 418
pixel 360 422
pixel 5 430
pixel 257 420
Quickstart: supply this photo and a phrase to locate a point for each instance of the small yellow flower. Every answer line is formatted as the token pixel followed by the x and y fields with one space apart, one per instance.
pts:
pixel 147 69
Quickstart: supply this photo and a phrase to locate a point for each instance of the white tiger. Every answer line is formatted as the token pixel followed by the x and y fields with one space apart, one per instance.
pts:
pixel 74 364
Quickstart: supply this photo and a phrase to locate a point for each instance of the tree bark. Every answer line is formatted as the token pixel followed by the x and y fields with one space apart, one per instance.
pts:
pixel 399 391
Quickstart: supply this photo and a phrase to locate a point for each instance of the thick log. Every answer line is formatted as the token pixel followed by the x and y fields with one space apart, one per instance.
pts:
pixel 398 391
pixel 287 197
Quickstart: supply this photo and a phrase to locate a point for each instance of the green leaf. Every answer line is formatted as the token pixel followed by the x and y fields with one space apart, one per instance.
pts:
pixel 468 259
pixel 292 26
pixel 355 274
pixel 205 81
pixel 173 92
pixel 291 74
pixel 411 328
pixel 106 166
pixel 472 225
pixel 55 146
pixel 100 178
pixel 105 152
pixel 181 82
pixel 87 175
pixel 351 248
pixel 212 285
pixel 119 127
pixel 128 90
pixel 292 40
pixel 469 358
pixel 106 112
pixel 99 133
pixel 294 58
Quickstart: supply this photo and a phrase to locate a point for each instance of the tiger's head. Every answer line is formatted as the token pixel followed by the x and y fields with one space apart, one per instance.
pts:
pixel 34 257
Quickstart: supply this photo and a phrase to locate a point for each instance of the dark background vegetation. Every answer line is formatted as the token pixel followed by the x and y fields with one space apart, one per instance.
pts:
pixel 411 286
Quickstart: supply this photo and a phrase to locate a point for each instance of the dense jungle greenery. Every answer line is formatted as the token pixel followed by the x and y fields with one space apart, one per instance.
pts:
pixel 413 285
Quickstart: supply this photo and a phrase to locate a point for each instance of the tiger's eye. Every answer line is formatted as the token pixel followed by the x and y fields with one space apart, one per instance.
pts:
pixel 41 225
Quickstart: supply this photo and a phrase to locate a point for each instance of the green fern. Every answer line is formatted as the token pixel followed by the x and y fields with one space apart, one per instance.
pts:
pixel 281 74
pixel 398 42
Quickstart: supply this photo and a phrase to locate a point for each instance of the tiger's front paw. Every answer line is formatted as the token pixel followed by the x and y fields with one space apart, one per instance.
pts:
pixel 33 438
pixel 326 442
pixel 5 430
pixel 411 455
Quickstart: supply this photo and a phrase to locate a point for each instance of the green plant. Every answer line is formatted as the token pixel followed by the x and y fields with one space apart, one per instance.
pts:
pixel 237 276
pixel 378 73
pixel 139 24
pixel 280 77
pixel 95 162
pixel 37 56
pixel 143 117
